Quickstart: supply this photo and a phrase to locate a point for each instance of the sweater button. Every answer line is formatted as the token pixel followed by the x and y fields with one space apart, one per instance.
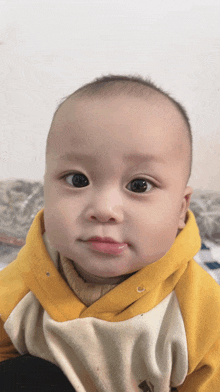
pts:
pixel 140 289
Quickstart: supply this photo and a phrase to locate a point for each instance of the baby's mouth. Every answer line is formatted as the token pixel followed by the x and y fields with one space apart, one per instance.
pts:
pixel 108 247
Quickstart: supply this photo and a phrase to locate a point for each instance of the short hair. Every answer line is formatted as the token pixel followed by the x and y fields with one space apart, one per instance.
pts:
pixel 137 86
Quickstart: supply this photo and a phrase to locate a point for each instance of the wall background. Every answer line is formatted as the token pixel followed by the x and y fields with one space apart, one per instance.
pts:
pixel 49 48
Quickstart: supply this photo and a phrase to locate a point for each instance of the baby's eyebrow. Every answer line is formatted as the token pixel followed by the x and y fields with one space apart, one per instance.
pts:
pixel 74 156
pixel 143 157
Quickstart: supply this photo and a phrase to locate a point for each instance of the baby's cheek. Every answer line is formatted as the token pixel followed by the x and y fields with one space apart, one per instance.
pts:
pixel 51 222
pixel 159 239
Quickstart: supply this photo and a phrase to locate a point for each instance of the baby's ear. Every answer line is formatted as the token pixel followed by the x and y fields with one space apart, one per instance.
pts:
pixel 185 205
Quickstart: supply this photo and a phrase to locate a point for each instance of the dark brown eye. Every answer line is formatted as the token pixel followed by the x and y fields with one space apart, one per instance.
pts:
pixel 78 180
pixel 140 185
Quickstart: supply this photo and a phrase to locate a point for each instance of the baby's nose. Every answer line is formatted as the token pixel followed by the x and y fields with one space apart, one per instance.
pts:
pixel 106 207
pixel 104 216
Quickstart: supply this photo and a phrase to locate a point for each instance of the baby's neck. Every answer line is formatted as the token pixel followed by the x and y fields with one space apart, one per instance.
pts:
pixel 89 278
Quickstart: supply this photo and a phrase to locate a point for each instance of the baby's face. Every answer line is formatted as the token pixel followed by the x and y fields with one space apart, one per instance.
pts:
pixel 118 145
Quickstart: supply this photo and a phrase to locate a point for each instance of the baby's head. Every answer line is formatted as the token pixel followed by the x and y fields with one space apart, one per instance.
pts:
pixel 118 162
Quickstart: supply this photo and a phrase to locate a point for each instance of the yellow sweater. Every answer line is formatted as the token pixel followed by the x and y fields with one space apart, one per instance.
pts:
pixel 157 330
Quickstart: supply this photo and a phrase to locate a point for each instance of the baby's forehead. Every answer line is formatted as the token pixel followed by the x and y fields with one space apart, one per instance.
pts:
pixel 119 119
pixel 121 116
pixel 160 107
pixel 128 123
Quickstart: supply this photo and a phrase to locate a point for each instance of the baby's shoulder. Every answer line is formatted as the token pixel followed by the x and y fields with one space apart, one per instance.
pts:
pixel 198 295
pixel 12 289
pixel 196 288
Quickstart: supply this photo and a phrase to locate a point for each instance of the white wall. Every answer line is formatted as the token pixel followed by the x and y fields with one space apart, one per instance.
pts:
pixel 49 48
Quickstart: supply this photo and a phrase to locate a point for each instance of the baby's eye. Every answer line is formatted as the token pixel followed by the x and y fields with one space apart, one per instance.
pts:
pixel 78 180
pixel 140 185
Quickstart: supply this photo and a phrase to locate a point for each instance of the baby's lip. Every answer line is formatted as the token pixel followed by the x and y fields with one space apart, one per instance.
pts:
pixel 104 239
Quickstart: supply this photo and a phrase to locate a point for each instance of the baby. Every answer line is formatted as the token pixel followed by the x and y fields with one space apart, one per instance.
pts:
pixel 106 287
